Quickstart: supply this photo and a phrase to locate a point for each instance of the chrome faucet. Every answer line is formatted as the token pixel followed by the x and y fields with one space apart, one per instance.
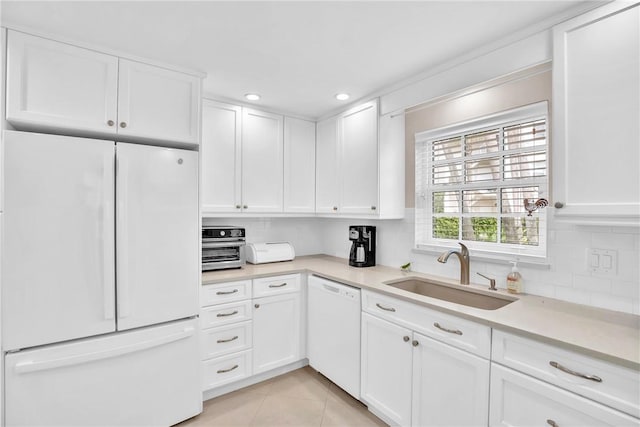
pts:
pixel 463 256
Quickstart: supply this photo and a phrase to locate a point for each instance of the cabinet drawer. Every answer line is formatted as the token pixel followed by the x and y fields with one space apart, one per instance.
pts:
pixel 461 333
pixel 519 400
pixel 223 314
pixel 219 293
pixel 226 339
pixel 619 386
pixel 226 369
pixel 275 285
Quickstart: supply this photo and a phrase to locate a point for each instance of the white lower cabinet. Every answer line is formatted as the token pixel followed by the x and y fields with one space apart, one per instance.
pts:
pixel 276 331
pixel 386 368
pixel 243 336
pixel 226 333
pixel 226 339
pixel 450 386
pixel 520 400
pixel 226 369
pixel 411 379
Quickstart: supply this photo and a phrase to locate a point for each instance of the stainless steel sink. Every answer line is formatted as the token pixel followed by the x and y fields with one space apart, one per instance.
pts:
pixel 451 293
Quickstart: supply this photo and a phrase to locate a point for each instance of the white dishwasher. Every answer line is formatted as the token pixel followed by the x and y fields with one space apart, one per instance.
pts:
pixel 333 339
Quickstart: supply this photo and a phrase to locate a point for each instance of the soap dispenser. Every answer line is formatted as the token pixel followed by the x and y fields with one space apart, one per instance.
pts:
pixel 514 279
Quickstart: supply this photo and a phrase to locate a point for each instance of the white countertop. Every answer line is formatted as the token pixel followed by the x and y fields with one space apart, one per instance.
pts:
pixel 605 334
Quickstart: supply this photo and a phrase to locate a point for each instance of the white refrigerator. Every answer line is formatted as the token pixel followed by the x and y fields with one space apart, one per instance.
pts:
pixel 99 274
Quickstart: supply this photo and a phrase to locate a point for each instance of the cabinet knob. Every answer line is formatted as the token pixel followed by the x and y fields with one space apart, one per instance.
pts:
pixel 552 423
pixel 415 343
pixel 406 338
pixel 238 206
pixel 256 305
pixel 373 208
pixel 245 207
pixel 335 208
pixel 123 125
pixel 558 205
pixel 111 122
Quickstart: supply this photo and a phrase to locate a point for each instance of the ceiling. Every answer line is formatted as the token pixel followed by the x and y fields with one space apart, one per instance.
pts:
pixel 296 54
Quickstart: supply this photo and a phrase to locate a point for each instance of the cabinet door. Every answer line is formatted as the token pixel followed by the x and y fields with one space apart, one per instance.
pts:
pixel 328 174
pixel 59 86
pixel 58 250
pixel 299 165
pixel 157 234
pixel 386 368
pixel 359 149
pixel 450 386
pixel 392 166
pixel 276 331
pixel 262 161
pixel 519 400
pixel 220 157
pixel 596 93
pixel 156 103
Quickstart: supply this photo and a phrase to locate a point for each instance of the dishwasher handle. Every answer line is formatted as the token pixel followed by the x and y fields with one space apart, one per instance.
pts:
pixel 331 288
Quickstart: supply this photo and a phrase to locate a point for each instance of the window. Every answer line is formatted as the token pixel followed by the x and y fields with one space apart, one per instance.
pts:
pixel 472 180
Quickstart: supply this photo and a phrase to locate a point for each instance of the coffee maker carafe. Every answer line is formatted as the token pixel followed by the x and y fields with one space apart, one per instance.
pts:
pixel 363 248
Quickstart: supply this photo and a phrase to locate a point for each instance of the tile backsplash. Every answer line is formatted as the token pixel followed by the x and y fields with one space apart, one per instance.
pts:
pixel 568 276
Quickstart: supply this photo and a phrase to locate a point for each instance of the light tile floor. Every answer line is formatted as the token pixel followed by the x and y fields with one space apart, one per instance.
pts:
pixel 299 398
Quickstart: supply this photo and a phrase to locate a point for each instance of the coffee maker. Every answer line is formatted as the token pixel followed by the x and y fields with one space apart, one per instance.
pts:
pixel 363 248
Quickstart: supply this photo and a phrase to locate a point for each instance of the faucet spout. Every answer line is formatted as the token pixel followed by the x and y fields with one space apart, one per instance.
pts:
pixel 463 256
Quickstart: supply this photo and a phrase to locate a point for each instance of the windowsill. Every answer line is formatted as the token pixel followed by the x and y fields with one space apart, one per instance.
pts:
pixel 491 257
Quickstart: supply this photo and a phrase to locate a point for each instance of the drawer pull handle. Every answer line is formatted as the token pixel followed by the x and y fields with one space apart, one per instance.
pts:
pixel 381 307
pixel 451 331
pixel 227 314
pixel 228 340
pixel 552 423
pixel 226 292
pixel 406 338
pixel 222 371
pixel 577 374
pixel 278 286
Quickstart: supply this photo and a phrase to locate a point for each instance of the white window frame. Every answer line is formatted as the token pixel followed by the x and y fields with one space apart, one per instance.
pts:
pixel 424 192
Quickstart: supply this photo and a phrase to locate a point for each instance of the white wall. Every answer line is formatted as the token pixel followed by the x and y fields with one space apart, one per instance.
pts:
pixel 567 277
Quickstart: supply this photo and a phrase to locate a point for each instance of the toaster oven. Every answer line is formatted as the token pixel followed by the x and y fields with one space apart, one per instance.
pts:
pixel 222 247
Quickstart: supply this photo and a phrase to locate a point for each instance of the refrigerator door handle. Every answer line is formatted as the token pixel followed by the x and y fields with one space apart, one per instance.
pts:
pixel 106 239
pixel 41 365
pixel 122 235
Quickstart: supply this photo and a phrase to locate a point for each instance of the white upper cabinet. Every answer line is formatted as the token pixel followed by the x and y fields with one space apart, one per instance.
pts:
pixel 157 103
pixel 262 161
pixel 328 176
pixel 360 164
pixel 596 94
pixel 299 165
pixel 359 154
pixel 59 87
pixel 220 157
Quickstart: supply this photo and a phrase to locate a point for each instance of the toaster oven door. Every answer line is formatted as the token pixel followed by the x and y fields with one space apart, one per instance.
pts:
pixel 219 255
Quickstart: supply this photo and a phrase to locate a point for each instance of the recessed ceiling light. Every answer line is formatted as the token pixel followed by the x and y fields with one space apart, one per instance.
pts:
pixel 342 96
pixel 252 96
